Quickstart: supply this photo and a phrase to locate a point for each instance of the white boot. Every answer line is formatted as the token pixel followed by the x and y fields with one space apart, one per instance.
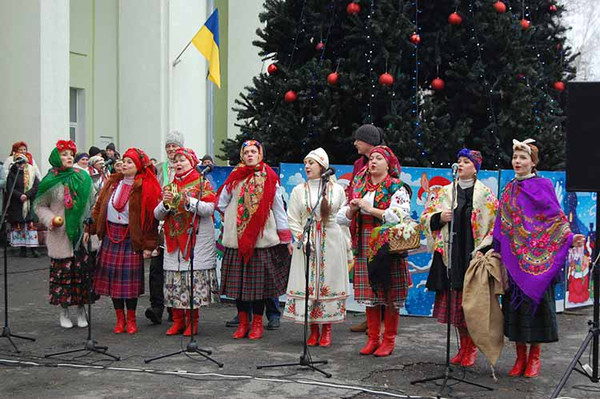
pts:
pixel 81 319
pixel 65 321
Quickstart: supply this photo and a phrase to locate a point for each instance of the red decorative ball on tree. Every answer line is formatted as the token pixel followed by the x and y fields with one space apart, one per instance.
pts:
pixel 455 19
pixel 272 69
pixel 320 46
pixel 553 8
pixel 560 86
pixel 500 7
pixel 290 96
pixel 385 79
pixel 438 84
pixel 333 78
pixel 353 8
pixel 415 39
pixel 525 24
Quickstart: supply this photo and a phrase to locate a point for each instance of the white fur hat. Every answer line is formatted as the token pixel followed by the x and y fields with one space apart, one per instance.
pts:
pixel 319 156
pixel 174 137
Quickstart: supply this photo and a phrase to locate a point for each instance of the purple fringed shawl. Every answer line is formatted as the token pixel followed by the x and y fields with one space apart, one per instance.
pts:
pixel 533 236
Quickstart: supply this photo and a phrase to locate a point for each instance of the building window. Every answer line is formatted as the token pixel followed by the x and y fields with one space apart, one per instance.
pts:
pixel 77 116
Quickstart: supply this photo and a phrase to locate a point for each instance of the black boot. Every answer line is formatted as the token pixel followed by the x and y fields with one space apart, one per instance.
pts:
pixel 23 253
pixel 35 253
pixel 154 315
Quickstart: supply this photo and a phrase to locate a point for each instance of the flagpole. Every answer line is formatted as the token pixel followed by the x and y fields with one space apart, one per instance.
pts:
pixel 182 51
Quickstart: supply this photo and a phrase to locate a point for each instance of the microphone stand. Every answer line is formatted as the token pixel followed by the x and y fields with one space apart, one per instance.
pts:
pixel 192 346
pixel 305 358
pixel 448 369
pixel 89 264
pixel 6 329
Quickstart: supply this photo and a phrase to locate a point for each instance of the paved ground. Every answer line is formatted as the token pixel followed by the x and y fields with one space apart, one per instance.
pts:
pixel 419 353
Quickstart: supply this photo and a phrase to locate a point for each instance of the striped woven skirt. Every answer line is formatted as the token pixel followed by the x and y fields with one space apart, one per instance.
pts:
pixel 440 308
pixel 120 269
pixel 265 276
pixel 400 278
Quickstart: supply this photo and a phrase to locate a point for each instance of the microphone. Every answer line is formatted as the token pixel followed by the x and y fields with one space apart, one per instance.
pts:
pixel 20 161
pixel 454 169
pixel 330 171
pixel 108 162
pixel 204 170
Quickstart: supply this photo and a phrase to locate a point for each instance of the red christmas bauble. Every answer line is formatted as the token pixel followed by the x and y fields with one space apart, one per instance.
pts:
pixel 332 78
pixel 525 24
pixel 438 84
pixel 455 19
pixel 290 96
pixel 353 8
pixel 560 86
pixel 386 79
pixel 521 76
pixel 320 46
pixel 272 69
pixel 553 8
pixel 500 7
pixel 415 38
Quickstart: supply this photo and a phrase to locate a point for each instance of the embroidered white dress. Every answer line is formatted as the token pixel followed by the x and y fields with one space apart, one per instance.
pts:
pixel 328 265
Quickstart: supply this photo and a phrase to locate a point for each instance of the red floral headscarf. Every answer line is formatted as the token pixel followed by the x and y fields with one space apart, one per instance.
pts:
pixel 63 145
pixel 150 186
pixel 189 154
pixel 390 158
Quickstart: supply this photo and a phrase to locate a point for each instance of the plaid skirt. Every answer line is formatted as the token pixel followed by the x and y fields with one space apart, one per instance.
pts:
pixel 68 282
pixel 440 308
pixel 265 276
pixel 400 278
pixel 120 269
pixel 177 288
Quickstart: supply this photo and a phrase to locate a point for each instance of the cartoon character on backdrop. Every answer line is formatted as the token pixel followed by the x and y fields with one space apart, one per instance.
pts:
pixel 578 260
pixel 429 188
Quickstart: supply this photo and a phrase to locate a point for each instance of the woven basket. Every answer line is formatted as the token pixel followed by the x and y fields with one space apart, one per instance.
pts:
pixel 400 244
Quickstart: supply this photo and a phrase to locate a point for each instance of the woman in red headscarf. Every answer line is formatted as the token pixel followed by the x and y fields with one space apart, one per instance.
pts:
pixel 188 193
pixel 378 196
pixel 124 221
pixel 256 236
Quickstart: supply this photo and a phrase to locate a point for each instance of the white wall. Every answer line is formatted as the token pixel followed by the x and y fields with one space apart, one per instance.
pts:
pixel 244 62
pixel 142 100
pixel 188 83
pixel 34 75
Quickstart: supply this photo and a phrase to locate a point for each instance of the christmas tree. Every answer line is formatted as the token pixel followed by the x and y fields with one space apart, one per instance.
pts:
pixel 435 75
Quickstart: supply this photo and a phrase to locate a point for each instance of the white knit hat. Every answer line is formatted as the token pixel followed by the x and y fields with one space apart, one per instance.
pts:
pixel 174 137
pixel 319 156
pixel 95 159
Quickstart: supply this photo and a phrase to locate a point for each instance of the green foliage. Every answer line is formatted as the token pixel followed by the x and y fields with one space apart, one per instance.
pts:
pixel 498 81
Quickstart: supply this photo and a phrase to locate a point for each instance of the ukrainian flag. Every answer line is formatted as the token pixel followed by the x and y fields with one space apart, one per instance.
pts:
pixel 207 42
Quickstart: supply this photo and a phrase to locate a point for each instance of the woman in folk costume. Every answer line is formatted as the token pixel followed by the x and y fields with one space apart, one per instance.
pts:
pixel 124 221
pixel 533 237
pixel 20 148
pixel 328 267
pixel 62 203
pixel 378 195
pixel 256 237
pixel 23 181
pixel 177 210
pixel 474 217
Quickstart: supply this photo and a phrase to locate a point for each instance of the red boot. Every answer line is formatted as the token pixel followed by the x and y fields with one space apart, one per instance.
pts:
pixel 256 332
pixel 313 340
pixel 533 362
pixel 389 334
pixel 374 328
pixel 459 356
pixel 120 326
pixel 325 336
pixel 190 323
pixel 243 327
pixel 521 361
pixel 470 353
pixel 178 322
pixel 131 325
